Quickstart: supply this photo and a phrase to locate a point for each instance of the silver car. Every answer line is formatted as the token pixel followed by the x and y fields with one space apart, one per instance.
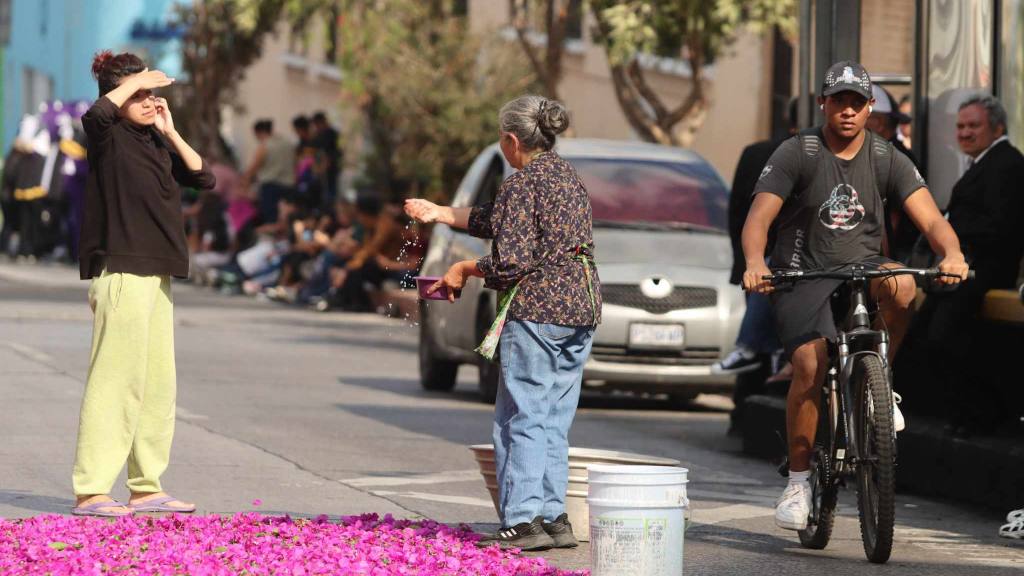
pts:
pixel 663 256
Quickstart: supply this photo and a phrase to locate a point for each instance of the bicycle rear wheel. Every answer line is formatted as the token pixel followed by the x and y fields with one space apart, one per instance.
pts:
pixel 824 495
pixel 876 467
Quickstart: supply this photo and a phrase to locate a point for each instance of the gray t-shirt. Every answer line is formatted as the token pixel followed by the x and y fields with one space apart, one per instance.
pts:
pixel 833 215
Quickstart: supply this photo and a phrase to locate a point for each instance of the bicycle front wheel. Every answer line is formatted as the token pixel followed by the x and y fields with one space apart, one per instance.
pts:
pixel 876 467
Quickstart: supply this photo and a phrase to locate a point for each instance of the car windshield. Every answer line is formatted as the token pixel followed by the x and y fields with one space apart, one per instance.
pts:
pixel 654 194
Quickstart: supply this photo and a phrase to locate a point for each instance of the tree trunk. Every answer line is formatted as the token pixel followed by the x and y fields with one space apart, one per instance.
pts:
pixel 548 69
pixel 644 109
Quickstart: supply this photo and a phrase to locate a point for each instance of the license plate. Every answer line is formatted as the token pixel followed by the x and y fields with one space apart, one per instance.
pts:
pixel 656 335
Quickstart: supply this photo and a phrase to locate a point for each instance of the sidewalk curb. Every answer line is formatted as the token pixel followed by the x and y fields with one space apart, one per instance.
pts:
pixel 987 472
pixel 45 275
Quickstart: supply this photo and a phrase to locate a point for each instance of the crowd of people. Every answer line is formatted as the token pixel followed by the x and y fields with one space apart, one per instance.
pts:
pixel 43 184
pixel 279 228
pixel 275 227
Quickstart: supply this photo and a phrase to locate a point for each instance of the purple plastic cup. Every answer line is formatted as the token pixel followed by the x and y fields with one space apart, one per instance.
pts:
pixel 423 283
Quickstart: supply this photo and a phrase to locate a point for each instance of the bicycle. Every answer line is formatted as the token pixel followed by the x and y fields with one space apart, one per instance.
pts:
pixel 855 438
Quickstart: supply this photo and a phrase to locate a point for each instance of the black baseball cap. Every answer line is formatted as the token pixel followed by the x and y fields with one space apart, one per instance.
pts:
pixel 846 76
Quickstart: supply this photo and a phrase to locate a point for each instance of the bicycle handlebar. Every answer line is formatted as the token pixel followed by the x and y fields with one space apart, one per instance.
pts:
pixel 858 273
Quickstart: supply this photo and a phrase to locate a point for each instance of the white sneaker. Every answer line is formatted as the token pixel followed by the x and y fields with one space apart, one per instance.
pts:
pixel 1015 515
pixel 793 507
pixel 898 424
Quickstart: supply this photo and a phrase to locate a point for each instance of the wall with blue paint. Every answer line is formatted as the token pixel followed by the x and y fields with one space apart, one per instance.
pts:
pixel 54 41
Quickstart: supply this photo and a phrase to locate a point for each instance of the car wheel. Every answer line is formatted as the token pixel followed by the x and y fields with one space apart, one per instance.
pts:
pixel 488 371
pixel 435 373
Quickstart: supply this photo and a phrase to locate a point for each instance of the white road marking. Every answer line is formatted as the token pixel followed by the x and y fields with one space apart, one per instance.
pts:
pixel 186 414
pixel 432 478
pixel 464 500
pixel 708 516
pixel 30 352
pixel 964 547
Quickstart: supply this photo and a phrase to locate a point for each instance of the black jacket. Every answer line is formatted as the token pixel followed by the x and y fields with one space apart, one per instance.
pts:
pixel 986 210
pixel 133 219
pixel 748 170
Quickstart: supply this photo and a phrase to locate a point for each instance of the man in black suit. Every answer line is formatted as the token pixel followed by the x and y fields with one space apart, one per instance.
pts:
pixel 757 333
pixel 986 209
pixel 757 340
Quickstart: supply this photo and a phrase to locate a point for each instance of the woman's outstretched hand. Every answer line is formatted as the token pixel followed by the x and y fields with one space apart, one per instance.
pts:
pixel 426 212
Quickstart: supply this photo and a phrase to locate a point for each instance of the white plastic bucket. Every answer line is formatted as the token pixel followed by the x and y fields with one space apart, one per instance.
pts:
pixel 637 520
pixel 576 495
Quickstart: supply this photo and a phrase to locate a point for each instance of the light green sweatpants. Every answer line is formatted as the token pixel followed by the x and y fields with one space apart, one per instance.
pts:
pixel 128 408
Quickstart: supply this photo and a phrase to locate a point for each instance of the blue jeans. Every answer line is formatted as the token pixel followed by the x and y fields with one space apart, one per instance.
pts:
pixel 540 378
pixel 757 330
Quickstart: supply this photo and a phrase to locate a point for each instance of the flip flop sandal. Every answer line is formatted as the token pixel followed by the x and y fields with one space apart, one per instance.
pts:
pixel 1013 530
pixel 1015 515
pixel 160 505
pixel 95 509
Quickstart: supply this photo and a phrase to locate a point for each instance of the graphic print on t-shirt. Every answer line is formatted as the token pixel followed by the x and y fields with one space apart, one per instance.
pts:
pixel 842 210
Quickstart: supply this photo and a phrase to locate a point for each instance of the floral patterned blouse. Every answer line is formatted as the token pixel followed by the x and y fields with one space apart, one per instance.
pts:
pixel 540 221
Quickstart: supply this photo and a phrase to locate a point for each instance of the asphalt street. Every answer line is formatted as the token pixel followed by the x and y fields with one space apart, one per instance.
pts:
pixel 313 413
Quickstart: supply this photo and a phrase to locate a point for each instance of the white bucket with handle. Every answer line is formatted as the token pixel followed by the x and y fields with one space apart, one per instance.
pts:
pixel 637 520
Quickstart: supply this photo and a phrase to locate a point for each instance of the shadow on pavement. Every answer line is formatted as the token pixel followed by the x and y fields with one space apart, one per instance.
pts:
pixel 589 399
pixel 36 502
pixel 459 423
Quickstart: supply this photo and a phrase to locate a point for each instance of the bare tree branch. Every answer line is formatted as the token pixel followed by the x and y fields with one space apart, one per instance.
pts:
pixel 556 19
pixel 636 75
pixel 696 96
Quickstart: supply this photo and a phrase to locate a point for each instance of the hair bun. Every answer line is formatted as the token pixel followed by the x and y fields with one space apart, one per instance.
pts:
pixel 553 118
pixel 100 61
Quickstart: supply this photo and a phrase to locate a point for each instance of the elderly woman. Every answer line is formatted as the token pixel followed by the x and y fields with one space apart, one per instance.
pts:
pixel 541 262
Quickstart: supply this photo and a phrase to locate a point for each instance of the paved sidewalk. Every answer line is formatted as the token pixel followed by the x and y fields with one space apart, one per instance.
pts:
pixel 223 475
pixel 323 413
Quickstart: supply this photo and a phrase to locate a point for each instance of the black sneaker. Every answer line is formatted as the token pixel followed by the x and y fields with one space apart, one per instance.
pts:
pixel 525 536
pixel 737 362
pixel 561 532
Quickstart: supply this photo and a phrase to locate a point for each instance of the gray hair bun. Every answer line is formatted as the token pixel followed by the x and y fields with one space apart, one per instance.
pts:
pixel 535 121
pixel 552 118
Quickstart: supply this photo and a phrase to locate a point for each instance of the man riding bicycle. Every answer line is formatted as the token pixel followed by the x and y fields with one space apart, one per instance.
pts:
pixel 825 190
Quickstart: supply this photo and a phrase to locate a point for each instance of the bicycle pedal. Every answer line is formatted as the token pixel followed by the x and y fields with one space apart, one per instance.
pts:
pixel 783 468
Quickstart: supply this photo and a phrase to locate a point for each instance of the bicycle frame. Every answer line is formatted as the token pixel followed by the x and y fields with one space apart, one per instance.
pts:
pixel 856 339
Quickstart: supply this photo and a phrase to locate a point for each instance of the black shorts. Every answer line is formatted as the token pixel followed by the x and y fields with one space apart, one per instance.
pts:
pixel 810 310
